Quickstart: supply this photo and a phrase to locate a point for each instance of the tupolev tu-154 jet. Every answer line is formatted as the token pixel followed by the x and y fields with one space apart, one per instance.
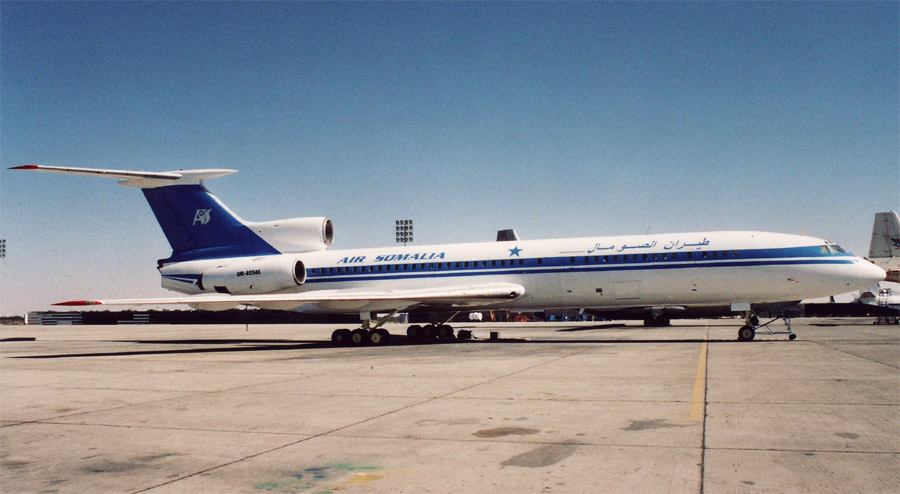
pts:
pixel 220 261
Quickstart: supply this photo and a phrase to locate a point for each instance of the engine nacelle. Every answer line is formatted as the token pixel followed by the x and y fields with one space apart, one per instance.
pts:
pixel 260 275
pixel 295 234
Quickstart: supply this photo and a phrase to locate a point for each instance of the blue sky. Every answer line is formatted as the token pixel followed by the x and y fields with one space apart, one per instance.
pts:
pixel 557 119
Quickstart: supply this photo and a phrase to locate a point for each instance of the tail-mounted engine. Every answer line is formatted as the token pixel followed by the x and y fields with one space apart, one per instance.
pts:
pixel 259 275
pixel 295 234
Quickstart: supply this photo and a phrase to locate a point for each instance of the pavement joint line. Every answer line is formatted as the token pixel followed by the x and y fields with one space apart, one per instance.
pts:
pixel 153 428
pixel 785 450
pixel 853 354
pixel 347 426
pixel 705 360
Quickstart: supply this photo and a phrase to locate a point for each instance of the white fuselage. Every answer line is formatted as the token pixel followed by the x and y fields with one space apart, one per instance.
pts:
pixel 681 269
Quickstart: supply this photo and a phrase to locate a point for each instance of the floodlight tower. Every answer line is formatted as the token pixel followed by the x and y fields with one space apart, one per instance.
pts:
pixel 404 231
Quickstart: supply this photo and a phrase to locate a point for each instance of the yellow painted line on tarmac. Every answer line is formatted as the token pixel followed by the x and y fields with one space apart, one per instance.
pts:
pixel 698 398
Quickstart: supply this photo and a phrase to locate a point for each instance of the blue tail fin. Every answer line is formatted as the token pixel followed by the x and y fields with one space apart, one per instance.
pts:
pixel 198 226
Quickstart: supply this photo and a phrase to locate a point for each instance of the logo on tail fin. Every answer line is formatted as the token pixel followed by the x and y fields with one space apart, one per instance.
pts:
pixel 201 216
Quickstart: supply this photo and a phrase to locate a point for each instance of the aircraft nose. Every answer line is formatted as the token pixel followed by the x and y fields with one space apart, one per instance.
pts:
pixel 869 273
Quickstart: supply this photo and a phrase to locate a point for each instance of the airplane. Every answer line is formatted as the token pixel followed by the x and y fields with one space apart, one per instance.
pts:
pixel 220 261
pixel 884 248
pixel 884 251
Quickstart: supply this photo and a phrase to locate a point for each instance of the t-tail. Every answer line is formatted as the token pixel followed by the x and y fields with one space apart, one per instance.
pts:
pixel 198 226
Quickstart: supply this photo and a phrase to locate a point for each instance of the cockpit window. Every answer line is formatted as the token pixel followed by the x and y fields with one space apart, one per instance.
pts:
pixel 835 249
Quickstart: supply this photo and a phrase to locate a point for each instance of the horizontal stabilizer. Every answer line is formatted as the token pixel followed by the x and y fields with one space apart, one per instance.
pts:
pixel 145 180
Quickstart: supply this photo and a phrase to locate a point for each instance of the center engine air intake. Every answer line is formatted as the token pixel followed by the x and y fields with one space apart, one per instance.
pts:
pixel 259 275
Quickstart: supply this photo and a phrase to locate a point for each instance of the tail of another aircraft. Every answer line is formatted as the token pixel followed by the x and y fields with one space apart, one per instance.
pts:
pixel 198 226
pixel 884 250
pixel 885 235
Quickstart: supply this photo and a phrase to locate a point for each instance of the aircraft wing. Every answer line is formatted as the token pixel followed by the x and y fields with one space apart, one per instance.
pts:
pixel 346 300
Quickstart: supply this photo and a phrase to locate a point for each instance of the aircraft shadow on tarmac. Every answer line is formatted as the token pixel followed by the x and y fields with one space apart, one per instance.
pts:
pixel 257 345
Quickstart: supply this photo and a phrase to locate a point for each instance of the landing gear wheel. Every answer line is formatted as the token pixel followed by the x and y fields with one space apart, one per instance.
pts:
pixel 429 331
pixel 746 333
pixel 379 337
pixel 445 331
pixel 414 332
pixel 341 337
pixel 792 337
pixel 359 337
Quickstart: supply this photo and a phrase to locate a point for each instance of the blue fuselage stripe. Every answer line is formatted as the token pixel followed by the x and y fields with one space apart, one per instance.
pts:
pixel 577 264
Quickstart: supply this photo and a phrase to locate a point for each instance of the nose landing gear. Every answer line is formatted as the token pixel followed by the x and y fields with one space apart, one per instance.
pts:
pixel 752 325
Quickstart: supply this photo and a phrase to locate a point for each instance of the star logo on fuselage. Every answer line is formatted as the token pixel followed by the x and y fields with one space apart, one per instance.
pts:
pixel 514 251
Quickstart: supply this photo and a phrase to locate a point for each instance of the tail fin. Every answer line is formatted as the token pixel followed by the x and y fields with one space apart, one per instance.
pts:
pixel 885 235
pixel 199 226
pixel 196 224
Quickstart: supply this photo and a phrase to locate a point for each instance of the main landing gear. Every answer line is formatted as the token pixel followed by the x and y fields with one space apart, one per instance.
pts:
pixel 371 332
pixel 368 334
pixel 430 331
pixel 751 325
